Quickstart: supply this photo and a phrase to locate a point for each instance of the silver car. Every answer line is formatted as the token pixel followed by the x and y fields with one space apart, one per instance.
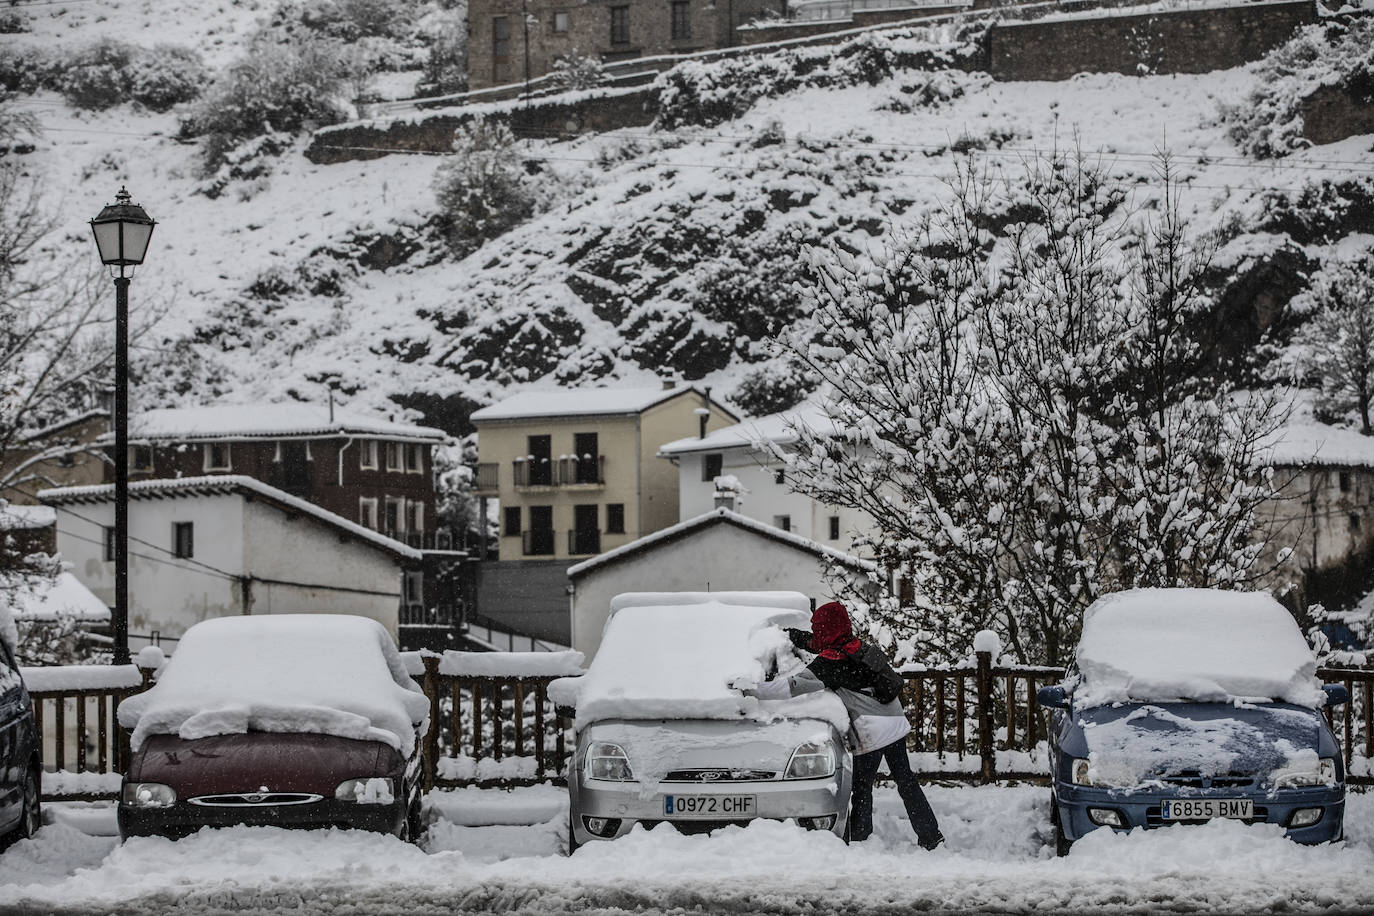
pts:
pixel 663 738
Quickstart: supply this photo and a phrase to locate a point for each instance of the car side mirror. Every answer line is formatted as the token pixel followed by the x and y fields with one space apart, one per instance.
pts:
pixel 1053 697
pixel 1336 694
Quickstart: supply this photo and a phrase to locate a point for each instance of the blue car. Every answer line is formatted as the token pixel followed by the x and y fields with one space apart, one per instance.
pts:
pixel 1182 718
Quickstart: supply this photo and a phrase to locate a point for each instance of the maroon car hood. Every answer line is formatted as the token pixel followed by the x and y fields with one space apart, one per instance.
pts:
pixel 247 762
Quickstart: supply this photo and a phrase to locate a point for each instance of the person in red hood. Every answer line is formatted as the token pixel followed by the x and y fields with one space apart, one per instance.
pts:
pixel 863 679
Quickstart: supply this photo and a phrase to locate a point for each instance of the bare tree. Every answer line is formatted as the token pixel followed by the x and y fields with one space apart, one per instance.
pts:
pixel 1015 402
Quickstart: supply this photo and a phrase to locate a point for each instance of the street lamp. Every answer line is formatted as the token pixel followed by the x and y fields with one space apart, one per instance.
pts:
pixel 122 231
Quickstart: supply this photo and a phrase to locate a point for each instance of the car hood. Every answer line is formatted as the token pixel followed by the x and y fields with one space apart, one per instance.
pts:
pixel 1134 743
pixel 666 749
pixel 283 762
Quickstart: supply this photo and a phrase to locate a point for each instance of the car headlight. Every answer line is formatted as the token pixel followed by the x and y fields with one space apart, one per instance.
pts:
pixel 147 795
pixel 1080 772
pixel 1323 775
pixel 811 760
pixel 607 761
pixel 366 790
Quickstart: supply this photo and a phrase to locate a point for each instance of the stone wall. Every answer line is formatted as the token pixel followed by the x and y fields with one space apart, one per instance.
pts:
pixel 1182 41
pixel 1333 113
pixel 552 117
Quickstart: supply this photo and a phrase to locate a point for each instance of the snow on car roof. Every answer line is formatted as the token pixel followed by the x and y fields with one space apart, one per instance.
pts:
pixel 672 656
pixel 1158 645
pixel 331 674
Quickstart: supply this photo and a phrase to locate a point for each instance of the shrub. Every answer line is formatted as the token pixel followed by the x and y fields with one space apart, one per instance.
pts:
pixel 165 76
pixel 446 69
pixel 577 71
pixel 350 20
pixel 26 68
pixel 278 85
pixel 773 387
pixel 483 190
pixel 98 75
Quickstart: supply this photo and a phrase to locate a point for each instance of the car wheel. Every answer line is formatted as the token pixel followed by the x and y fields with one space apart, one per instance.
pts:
pixel 414 820
pixel 32 817
pixel 1062 843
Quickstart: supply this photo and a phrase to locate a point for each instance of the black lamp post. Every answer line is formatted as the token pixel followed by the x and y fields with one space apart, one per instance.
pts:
pixel 122 231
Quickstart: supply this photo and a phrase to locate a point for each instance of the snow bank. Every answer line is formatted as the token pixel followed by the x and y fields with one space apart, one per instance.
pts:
pixel 673 655
pixel 1193 644
pixel 323 673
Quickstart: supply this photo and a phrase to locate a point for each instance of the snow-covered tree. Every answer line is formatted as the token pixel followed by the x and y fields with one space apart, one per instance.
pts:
pixel 576 70
pixel 483 189
pixel 1336 345
pixel 1014 384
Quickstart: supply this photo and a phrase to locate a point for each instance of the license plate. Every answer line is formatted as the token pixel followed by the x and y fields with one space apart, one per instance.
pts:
pixel 721 806
pixel 1204 809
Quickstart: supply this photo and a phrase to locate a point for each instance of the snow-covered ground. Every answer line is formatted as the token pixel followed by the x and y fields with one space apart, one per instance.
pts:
pixel 504 852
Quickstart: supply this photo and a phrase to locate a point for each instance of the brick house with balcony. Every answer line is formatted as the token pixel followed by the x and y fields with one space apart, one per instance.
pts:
pixel 366 469
pixel 575 473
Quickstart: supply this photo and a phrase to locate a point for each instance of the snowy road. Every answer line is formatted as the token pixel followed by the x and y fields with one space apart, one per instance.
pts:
pixel 996 860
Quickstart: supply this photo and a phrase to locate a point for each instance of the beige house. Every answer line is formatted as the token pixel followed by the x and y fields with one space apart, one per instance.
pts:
pixel 575 472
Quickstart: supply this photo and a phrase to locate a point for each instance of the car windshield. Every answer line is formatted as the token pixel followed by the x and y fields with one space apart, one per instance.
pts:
pixel 1133 743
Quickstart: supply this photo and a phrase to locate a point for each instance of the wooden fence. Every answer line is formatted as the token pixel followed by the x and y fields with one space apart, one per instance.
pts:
pixel 977 723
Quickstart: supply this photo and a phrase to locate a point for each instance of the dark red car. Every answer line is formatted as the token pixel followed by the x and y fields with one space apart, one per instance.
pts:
pixel 290 721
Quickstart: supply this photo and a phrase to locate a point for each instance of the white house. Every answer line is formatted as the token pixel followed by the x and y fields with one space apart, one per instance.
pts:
pixel 719 550
pixel 728 468
pixel 203 547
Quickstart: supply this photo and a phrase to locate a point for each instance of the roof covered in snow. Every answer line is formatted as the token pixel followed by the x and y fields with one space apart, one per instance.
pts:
pixel 316 673
pixel 53 429
pixel 582 402
pixel 779 428
pixel 64 597
pixel 1208 645
pixel 705 520
pixel 220 485
pixel 672 656
pixel 14 518
pixel 250 421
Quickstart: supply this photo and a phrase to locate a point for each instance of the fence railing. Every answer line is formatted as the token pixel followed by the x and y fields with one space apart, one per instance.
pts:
pixel 492 722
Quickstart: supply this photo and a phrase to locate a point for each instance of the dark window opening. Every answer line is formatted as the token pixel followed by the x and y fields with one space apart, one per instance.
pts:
pixel 500 49
pixel 539 539
pixel 783 521
pixel 540 467
pixel 682 20
pixel 711 466
pixel 586 457
pixel 143 457
pixel 109 545
pixel 512 520
pixel 1345 481
pixel 183 540
pixel 586 536
pixel 615 518
pixel 834 527
pixel 620 25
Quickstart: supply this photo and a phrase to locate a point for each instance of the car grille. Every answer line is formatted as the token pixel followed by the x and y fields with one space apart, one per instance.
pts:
pixel 1154 817
pixel 255 799
pixel 1195 780
pixel 693 828
pixel 720 775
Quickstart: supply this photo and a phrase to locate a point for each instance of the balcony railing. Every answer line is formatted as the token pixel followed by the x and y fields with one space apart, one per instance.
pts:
pixel 488 478
pixel 566 471
pixel 583 541
pixel 538 542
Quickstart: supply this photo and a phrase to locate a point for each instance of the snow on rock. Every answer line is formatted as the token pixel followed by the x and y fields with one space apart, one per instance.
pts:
pixel 673 655
pixel 321 673
pixel 1159 645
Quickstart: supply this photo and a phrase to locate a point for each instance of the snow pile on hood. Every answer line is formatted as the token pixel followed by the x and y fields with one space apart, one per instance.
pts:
pixel 315 673
pixel 1171 644
pixel 674 655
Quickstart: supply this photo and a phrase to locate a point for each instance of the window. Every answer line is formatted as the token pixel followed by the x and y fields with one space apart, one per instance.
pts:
pixel 394 458
pixel 415 516
pixel 500 49
pixel 586 454
pixel 560 21
pixel 682 20
pixel 415 460
pixel 1345 481
pixel 109 545
pixel 782 521
pixel 394 519
pixel 1354 521
pixel 539 539
pixel 415 586
pixel 834 527
pixel 615 518
pixel 711 466
pixel 512 521
pixel 143 458
pixel 367 455
pixel 779 477
pixel 367 512
pixel 540 456
pixel 620 25
pixel 216 456
pixel 183 540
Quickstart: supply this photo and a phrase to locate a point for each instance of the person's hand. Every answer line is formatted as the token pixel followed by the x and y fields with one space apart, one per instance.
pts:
pixel 744 685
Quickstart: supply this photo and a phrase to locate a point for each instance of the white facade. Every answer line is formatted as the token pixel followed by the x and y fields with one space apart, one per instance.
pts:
pixel 720 551
pixel 762 492
pixel 250 553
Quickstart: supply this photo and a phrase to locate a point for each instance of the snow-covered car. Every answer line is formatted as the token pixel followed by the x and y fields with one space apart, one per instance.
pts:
pixel 296 720
pixel 1186 705
pixel 20 770
pixel 662 737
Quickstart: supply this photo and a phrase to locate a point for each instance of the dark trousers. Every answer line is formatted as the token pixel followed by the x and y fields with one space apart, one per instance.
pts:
pixel 861 803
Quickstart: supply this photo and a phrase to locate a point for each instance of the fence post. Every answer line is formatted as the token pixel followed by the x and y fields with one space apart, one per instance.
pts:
pixel 986 749
pixel 431 744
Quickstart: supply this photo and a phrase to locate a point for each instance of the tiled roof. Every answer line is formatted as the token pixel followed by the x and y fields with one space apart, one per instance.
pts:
pixel 566 402
pixel 262 420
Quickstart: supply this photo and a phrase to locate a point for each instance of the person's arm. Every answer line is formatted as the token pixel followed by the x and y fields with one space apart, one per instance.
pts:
pixel 804 681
